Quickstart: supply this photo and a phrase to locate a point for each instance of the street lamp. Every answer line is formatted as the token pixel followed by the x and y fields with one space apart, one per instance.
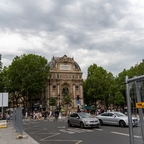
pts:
pixel 2 99
pixel 59 101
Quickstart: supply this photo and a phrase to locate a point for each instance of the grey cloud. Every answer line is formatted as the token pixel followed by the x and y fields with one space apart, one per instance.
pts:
pixel 107 26
pixel 90 15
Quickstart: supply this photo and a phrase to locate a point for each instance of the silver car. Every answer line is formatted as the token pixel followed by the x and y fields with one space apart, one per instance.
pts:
pixel 83 120
pixel 116 118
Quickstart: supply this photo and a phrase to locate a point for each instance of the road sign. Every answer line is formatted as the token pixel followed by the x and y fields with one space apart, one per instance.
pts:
pixel 4 99
pixel 140 105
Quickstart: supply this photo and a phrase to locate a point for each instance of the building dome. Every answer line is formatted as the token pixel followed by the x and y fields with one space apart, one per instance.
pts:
pixel 65 60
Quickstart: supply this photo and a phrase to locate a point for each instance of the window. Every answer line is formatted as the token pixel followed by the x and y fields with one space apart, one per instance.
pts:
pixel 72 115
pixel 111 114
pixel 104 114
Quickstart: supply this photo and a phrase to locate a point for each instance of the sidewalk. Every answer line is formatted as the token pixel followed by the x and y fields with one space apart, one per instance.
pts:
pixel 8 135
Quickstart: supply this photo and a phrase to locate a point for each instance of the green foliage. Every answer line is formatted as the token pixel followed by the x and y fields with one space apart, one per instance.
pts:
pixel 25 77
pixel 102 86
pixel 4 79
pixel 119 99
pixel 28 74
pixel 98 84
pixel 52 101
pixel 67 100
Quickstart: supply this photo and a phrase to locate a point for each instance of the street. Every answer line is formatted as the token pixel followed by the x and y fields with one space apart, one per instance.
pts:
pixel 57 132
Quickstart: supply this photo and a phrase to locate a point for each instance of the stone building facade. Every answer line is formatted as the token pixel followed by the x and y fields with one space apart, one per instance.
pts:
pixel 65 79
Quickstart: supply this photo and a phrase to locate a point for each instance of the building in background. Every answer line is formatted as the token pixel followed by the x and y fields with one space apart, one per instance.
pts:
pixel 65 79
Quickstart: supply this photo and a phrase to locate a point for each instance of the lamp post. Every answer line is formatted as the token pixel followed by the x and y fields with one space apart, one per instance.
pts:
pixel 59 107
pixel 2 99
pixel 59 101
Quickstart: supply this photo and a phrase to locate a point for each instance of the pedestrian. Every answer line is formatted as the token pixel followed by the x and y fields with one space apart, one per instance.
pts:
pixel 31 116
pixel 26 115
pixel 56 115
pixel 36 116
pixel 50 113
pixel 45 115
pixel 7 116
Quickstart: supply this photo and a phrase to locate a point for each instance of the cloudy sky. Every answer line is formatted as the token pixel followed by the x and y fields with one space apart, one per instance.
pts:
pixel 109 33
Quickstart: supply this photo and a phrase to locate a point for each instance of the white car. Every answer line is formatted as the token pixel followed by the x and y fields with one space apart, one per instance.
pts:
pixel 83 120
pixel 116 118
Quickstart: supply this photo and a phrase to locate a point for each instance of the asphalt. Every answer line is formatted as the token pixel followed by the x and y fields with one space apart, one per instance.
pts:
pixel 8 135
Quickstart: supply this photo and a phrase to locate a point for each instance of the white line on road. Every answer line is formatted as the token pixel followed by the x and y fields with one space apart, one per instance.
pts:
pixel 99 129
pixel 70 132
pixel 124 134
pixel 62 127
pixel 76 130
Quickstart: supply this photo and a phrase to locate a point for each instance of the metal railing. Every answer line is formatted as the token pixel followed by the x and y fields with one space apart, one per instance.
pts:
pixel 17 120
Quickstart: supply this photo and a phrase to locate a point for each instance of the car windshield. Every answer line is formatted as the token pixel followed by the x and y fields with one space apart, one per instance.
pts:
pixel 85 115
pixel 120 114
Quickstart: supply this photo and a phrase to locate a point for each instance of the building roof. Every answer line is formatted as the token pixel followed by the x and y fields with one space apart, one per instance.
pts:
pixel 54 59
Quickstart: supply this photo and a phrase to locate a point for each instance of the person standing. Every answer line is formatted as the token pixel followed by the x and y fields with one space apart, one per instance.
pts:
pixel 7 116
pixel 56 115
pixel 26 115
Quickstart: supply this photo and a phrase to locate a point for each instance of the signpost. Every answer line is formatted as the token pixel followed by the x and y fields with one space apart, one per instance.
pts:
pixel 3 100
pixel 140 105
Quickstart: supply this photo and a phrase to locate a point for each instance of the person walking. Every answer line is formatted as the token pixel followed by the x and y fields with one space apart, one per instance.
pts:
pixel 56 115
pixel 26 115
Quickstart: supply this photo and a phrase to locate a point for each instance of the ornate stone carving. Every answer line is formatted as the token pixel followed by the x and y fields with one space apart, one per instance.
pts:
pixel 65 76
pixel 65 59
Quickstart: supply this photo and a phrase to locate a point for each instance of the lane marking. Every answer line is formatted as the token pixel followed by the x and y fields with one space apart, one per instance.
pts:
pixel 124 134
pixel 58 140
pixel 62 127
pixel 54 140
pixel 78 142
pixel 99 129
pixel 53 134
pixel 37 131
pixel 75 130
pixel 80 130
pixel 70 132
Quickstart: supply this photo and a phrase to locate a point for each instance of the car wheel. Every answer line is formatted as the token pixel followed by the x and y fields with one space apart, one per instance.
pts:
pixel 69 124
pixel 81 125
pixel 122 123
pixel 101 122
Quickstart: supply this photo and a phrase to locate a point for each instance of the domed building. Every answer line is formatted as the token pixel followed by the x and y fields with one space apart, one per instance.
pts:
pixel 65 79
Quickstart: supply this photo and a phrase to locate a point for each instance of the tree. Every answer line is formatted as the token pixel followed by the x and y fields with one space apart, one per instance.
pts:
pixel 119 99
pixel 27 76
pixel 52 101
pixel 67 100
pixel 3 79
pixel 98 85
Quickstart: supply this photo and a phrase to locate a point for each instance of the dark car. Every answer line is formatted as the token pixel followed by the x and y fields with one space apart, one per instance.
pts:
pixel 82 120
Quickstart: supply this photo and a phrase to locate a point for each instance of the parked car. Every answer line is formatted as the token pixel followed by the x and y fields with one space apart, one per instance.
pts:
pixel 83 120
pixel 116 118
